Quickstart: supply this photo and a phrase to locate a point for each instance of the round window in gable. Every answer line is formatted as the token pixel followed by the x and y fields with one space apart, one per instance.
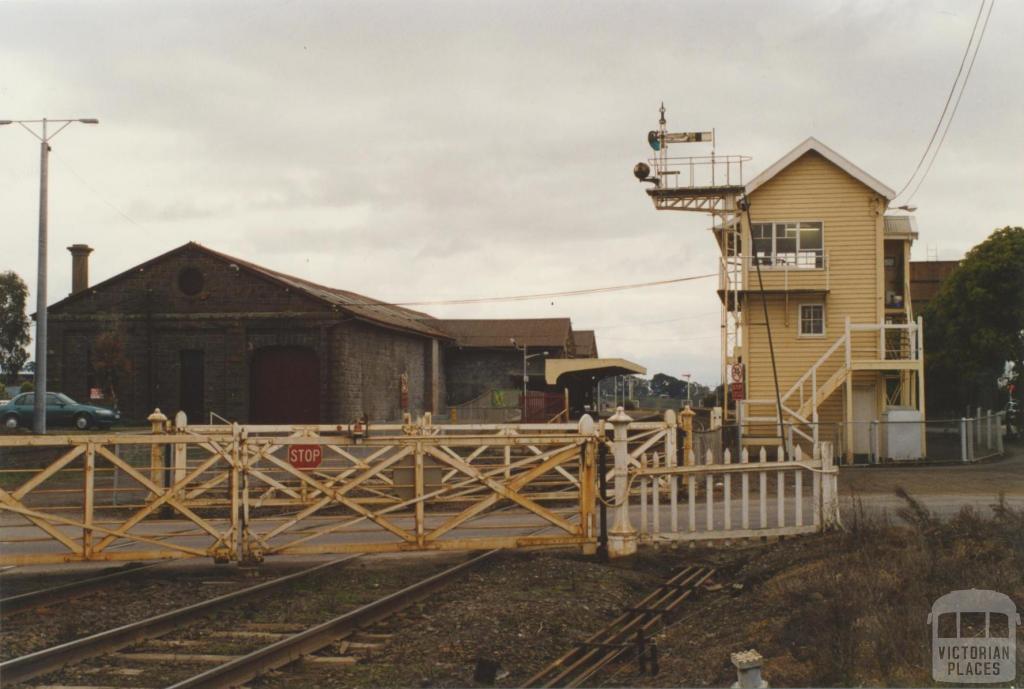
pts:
pixel 190 281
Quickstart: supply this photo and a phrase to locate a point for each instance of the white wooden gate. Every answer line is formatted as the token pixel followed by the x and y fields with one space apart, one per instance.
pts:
pixel 723 498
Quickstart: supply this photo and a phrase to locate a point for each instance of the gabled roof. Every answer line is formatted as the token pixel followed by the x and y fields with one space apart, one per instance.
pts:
pixel 362 307
pixel 586 343
pixel 812 144
pixel 528 332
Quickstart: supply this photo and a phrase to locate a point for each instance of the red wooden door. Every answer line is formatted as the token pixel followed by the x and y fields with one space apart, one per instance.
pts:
pixel 285 386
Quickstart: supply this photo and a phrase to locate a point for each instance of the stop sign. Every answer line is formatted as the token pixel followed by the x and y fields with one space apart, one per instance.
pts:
pixel 305 457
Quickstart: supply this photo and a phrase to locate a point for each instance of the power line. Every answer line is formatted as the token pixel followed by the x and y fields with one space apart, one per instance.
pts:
pixel 545 295
pixel 97 194
pixel 956 105
pixel 691 317
pixel 949 99
pixel 669 339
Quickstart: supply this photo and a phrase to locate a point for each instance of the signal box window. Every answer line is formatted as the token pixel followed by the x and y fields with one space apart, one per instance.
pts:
pixel 812 320
pixel 788 244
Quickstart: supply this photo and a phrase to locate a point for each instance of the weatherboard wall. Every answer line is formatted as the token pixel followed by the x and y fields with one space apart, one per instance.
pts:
pixel 813 189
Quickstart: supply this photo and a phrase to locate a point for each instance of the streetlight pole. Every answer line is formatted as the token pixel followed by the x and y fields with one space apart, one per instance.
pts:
pixel 525 375
pixel 39 409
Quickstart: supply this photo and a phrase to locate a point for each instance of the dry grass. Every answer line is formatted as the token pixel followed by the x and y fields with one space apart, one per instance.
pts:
pixel 861 618
pixel 846 609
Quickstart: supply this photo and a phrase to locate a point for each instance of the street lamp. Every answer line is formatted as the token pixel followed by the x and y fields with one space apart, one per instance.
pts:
pixel 39 410
pixel 525 359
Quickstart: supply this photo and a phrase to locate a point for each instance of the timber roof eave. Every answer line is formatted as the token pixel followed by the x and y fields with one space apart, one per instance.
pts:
pixel 812 144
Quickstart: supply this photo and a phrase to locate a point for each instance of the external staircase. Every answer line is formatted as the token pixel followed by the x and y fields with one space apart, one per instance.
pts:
pixel 895 346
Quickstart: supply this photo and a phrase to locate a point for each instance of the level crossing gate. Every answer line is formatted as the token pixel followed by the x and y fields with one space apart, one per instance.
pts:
pixel 242 493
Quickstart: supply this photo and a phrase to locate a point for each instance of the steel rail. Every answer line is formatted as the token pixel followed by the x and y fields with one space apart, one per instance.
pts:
pixel 49 659
pixel 244 668
pixel 601 648
pixel 74 589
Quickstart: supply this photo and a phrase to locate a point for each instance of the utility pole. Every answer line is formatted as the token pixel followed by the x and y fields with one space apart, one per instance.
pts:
pixel 39 410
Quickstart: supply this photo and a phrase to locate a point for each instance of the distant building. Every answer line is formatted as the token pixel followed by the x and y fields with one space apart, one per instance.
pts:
pixel 206 333
pixel 926 277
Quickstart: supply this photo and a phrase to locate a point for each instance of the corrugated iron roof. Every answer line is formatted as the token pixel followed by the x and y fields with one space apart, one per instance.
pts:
pixel 529 332
pixel 362 307
pixel 358 305
pixel 900 224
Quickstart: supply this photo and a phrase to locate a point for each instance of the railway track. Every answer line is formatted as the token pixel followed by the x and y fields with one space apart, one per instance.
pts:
pixel 48 660
pixel 116 651
pixel 630 632
pixel 34 599
pixel 276 655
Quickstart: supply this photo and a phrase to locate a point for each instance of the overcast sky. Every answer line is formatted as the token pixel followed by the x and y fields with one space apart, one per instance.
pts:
pixel 413 151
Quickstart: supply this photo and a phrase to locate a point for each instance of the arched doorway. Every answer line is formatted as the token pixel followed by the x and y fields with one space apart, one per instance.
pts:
pixel 285 386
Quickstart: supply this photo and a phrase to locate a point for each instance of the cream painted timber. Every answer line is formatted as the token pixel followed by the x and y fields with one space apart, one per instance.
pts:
pixel 812 188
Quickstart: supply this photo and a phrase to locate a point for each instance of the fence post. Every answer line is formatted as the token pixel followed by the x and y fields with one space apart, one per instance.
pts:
pixel 829 488
pixel 686 419
pixel 89 504
pixel 1000 418
pixel 156 451
pixel 671 460
pixel 180 449
pixel 873 442
pixel 970 438
pixel 622 535
pixel 988 430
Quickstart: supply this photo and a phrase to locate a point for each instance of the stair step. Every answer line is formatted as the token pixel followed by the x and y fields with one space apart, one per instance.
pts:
pixel 773 441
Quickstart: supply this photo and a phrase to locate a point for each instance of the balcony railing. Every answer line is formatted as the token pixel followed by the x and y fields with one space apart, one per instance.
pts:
pixel 693 172
pixel 806 270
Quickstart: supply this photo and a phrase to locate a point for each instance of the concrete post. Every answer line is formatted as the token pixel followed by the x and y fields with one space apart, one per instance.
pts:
pixel 977 428
pixel 970 439
pixel 686 420
pixel 964 440
pixel 157 422
pixel 748 670
pixel 988 430
pixel 716 418
pixel 622 535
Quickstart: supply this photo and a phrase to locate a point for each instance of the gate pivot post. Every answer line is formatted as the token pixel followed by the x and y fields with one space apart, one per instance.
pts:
pixel 622 535
pixel 157 422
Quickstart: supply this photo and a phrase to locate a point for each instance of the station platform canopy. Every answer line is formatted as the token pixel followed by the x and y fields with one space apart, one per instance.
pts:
pixel 556 371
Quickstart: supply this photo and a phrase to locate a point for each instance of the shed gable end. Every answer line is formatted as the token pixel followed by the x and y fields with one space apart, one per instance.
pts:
pixel 187 281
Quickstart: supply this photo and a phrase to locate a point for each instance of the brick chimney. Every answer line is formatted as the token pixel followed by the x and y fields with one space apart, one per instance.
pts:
pixel 79 267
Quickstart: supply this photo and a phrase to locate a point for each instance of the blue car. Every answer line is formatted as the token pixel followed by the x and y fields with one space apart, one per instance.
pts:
pixel 61 410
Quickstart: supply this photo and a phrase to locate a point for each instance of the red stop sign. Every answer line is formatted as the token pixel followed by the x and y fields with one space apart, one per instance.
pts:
pixel 305 457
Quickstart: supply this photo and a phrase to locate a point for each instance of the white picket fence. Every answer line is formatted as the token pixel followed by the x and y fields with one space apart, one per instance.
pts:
pixel 720 499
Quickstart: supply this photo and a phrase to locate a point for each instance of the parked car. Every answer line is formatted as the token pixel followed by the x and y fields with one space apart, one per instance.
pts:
pixel 61 410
